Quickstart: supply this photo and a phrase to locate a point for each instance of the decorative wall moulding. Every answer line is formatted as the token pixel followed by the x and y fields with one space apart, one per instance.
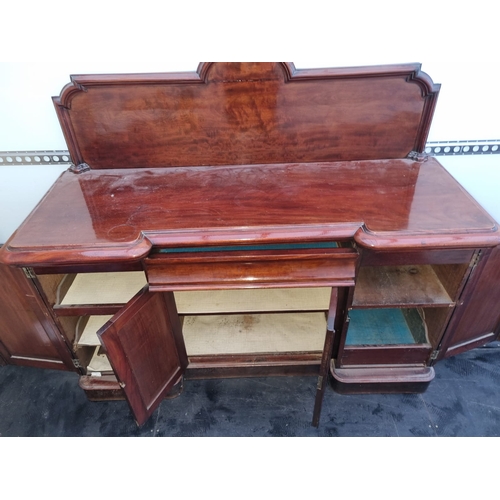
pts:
pixel 438 148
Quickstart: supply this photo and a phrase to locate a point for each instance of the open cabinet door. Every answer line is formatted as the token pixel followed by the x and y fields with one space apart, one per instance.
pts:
pixel 145 347
pixel 476 320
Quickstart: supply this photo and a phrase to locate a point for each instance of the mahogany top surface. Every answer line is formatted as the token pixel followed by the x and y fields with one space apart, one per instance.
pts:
pixel 119 214
pixel 246 113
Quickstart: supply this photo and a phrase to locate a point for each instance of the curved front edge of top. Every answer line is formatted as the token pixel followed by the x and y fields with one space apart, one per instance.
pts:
pixel 400 241
pixel 214 236
pixel 75 256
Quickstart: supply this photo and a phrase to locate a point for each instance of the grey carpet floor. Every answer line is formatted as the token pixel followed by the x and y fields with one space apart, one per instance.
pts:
pixel 463 400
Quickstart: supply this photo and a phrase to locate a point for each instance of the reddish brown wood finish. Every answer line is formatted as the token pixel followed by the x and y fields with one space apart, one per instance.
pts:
pixel 388 379
pixel 477 316
pixel 27 336
pixel 254 269
pixel 255 360
pixel 384 355
pixel 118 216
pixel 84 310
pixel 331 321
pixel 254 153
pixel 103 388
pixel 246 113
pixel 271 370
pixel 145 348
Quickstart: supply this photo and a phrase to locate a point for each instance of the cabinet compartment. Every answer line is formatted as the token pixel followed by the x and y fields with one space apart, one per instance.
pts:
pixel 409 285
pixel 102 288
pixel 206 334
pixel 244 322
pixel 387 336
pixel 399 313
pixel 213 335
pixel 386 327
pixel 392 286
pixel 254 333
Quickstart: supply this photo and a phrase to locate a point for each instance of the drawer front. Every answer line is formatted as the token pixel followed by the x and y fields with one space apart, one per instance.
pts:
pixel 218 270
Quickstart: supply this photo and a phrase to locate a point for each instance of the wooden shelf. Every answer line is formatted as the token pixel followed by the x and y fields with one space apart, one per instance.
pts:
pixel 239 333
pixel 232 334
pixel 253 300
pixel 119 288
pixel 88 336
pixel 99 363
pixel 399 286
pixel 104 288
pixel 254 333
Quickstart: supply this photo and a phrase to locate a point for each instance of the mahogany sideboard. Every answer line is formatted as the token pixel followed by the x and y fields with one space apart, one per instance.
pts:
pixel 249 219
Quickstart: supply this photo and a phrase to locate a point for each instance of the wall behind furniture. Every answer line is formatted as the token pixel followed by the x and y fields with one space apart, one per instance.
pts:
pixel 28 120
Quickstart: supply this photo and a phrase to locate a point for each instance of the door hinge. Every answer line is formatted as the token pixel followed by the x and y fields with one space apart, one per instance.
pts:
pixel 29 273
pixel 475 260
pixel 77 364
pixel 434 355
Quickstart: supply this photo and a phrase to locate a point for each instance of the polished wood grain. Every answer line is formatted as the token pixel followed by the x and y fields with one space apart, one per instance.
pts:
pixel 119 215
pixel 145 348
pixel 251 269
pixel 27 334
pixel 240 154
pixel 477 318
pixel 246 113
pixel 385 355
pixel 395 379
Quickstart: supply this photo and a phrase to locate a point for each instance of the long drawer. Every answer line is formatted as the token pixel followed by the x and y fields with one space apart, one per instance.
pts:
pixel 251 269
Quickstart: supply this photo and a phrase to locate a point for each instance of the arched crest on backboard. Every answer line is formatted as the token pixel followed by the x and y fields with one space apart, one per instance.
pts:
pixel 246 113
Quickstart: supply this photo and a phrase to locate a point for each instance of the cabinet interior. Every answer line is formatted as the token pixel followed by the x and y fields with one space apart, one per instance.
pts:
pixel 249 321
pixel 387 326
pixel 409 285
pixel 403 305
pixel 392 305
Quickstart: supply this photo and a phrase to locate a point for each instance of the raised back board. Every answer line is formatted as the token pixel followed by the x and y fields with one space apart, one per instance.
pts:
pixel 246 113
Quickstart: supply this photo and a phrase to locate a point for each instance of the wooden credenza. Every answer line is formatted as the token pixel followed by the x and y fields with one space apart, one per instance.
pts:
pixel 251 219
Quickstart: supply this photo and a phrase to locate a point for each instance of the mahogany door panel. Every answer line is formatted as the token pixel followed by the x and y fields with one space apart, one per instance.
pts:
pixel 477 317
pixel 145 348
pixel 27 336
